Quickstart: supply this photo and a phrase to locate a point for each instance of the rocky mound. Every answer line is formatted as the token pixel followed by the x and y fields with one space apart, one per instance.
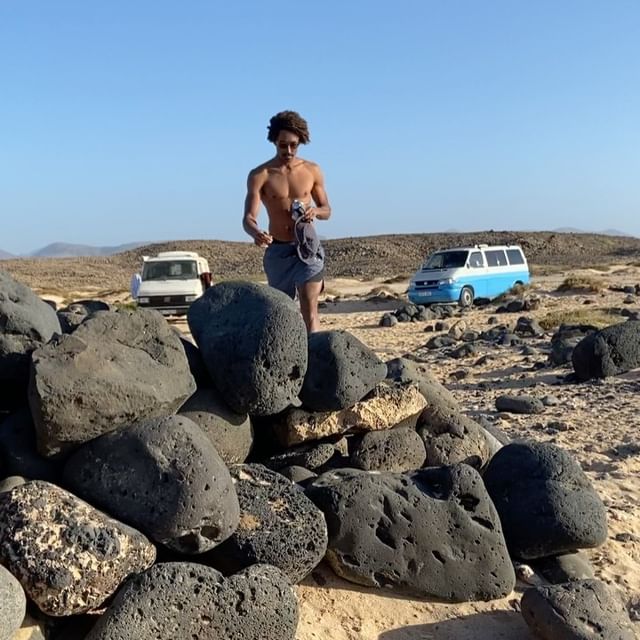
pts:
pixel 383 256
pixel 137 482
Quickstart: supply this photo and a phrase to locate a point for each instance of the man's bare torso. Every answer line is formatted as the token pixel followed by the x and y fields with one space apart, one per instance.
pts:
pixel 281 185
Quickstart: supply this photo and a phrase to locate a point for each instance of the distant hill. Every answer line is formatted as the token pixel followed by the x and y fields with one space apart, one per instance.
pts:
pixel 385 257
pixel 5 255
pixel 604 232
pixel 67 250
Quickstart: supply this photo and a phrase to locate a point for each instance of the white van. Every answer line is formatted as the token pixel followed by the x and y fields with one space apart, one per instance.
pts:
pixel 465 273
pixel 172 280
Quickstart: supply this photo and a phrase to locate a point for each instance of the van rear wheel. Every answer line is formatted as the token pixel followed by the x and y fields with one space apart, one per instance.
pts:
pixel 466 297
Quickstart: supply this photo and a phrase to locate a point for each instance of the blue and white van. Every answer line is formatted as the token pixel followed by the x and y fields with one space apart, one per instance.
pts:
pixel 465 273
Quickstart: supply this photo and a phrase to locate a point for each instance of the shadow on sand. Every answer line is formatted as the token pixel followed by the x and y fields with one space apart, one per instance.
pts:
pixel 492 625
pixel 360 306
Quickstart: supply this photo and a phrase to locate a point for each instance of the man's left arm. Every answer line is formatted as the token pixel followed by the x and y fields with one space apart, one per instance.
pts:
pixel 322 208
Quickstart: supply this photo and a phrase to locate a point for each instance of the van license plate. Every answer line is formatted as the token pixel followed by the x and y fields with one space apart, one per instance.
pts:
pixel 169 312
pixel 425 293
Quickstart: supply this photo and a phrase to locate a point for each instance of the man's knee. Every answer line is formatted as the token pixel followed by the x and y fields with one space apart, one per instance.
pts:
pixel 310 291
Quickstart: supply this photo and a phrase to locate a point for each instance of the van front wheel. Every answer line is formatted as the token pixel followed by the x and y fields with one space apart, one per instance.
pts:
pixel 466 297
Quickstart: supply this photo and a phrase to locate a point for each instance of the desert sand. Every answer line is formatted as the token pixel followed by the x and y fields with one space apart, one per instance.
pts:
pixel 600 427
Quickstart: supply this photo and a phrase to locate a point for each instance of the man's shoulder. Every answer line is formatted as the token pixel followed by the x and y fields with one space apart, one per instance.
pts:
pixel 309 165
pixel 261 169
pixel 313 166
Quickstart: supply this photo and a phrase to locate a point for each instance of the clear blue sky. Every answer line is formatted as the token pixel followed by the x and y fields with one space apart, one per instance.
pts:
pixel 134 120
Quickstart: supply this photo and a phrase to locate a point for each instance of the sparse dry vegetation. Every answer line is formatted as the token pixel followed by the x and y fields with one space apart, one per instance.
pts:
pixel 389 256
pixel 581 283
pixel 597 316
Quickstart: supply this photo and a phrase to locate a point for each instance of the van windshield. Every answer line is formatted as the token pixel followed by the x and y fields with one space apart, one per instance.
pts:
pixel 170 270
pixel 446 260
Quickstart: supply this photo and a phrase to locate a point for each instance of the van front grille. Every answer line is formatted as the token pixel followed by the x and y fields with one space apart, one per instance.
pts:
pixel 166 301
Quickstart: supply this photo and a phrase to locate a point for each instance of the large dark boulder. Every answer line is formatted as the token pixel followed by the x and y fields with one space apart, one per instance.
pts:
pixel 254 344
pixel 608 352
pixel 231 433
pixel 162 476
pixel 546 503
pixel 279 525
pixel 26 323
pixel 432 532
pixel 68 556
pixel 341 371
pixel 397 450
pixel 116 368
pixel 180 600
pixel 583 610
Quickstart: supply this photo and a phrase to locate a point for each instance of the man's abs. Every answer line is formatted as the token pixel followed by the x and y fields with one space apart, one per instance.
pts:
pixel 279 191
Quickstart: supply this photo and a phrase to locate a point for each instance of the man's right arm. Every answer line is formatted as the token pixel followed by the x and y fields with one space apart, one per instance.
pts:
pixel 252 208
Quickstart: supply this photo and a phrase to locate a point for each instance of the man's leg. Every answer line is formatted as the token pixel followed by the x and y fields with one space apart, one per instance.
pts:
pixel 309 293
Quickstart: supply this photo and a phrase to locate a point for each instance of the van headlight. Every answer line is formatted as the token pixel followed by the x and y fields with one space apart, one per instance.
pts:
pixel 446 281
pixel 143 300
pixel 190 298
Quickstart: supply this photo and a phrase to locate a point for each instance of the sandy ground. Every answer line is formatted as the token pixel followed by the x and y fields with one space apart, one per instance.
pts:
pixel 601 422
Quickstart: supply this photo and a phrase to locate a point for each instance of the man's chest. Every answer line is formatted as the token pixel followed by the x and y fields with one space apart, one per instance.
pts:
pixel 292 184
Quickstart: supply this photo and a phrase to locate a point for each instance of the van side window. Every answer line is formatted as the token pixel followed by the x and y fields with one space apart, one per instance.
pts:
pixel 475 260
pixel 496 258
pixel 515 256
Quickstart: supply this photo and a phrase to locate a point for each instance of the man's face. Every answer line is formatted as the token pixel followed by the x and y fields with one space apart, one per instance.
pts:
pixel 287 145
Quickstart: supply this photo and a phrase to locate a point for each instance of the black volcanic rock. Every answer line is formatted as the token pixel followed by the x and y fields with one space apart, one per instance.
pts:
pixel 116 368
pixel 231 433
pixel 279 525
pixel 608 352
pixel 341 371
pixel 432 532
pixel 546 503
pixel 68 556
pixel 180 600
pixel 162 476
pixel 400 449
pixel 26 323
pixel 254 344
pixel 519 404
pixel 583 610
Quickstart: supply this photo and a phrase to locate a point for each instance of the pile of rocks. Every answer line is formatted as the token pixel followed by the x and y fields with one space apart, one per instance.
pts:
pixel 161 489
pixel 410 312
pixel 518 305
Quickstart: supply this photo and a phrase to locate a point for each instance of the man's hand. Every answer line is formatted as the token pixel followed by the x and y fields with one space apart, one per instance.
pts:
pixel 263 239
pixel 309 214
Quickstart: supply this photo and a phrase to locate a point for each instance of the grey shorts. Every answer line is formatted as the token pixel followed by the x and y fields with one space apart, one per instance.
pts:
pixel 286 272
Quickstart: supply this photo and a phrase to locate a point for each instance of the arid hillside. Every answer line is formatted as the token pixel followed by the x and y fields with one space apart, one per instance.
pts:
pixel 386 256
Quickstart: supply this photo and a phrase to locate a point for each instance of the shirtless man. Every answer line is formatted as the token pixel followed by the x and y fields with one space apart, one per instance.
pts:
pixel 277 183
